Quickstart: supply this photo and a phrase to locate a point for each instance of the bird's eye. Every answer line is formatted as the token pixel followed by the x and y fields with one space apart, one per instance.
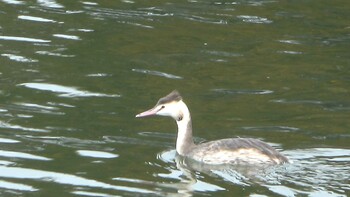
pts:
pixel 162 107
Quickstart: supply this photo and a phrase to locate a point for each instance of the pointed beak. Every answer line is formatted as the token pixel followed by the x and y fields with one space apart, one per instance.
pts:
pixel 150 112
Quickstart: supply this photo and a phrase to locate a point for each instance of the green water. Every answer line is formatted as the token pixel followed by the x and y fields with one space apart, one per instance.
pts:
pixel 73 74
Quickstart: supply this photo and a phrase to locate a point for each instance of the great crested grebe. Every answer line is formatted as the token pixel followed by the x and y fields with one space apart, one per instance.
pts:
pixel 224 151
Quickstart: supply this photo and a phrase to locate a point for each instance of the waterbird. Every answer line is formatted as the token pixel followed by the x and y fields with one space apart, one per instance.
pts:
pixel 223 151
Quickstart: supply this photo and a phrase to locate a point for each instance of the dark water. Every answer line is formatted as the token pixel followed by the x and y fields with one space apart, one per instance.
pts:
pixel 73 74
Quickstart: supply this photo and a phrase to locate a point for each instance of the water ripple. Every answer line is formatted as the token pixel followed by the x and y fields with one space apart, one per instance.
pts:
pixel 6 140
pixel 16 186
pixel 157 135
pixel 17 127
pixel 89 3
pixel 326 105
pixel 82 30
pixel 233 92
pixel 318 171
pixel 115 13
pixel 95 194
pixel 321 153
pixel 98 75
pixel 23 39
pixel 18 58
pixel 61 178
pixel 138 141
pixel 65 141
pixel 13 154
pixel 232 176
pixel 183 186
pixel 36 19
pixel 125 16
pixel 254 19
pixel 50 4
pixel 53 54
pixel 68 37
pixel 291 52
pixel 14 2
pixel 156 73
pixel 151 13
pixel 272 128
pixel 96 154
pixel 65 91
pixel 223 53
pixel 204 19
pixel 136 24
pixel 36 108
pixel 290 41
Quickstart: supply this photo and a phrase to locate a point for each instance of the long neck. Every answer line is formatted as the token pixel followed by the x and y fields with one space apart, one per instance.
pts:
pixel 184 141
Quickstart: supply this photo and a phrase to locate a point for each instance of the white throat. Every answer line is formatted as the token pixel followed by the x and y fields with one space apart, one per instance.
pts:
pixel 184 141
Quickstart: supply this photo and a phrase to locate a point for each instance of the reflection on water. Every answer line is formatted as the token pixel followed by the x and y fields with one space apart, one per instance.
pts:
pixel 313 172
pixel 74 73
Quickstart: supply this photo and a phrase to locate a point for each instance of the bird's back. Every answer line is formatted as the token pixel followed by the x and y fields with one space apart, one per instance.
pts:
pixel 236 151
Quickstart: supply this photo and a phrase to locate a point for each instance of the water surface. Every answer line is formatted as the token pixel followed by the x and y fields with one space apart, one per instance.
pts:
pixel 73 74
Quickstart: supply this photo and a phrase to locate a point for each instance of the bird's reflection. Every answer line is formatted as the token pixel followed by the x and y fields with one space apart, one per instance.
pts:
pixel 192 173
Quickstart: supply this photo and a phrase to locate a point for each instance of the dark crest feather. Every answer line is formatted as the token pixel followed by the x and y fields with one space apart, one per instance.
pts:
pixel 173 96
